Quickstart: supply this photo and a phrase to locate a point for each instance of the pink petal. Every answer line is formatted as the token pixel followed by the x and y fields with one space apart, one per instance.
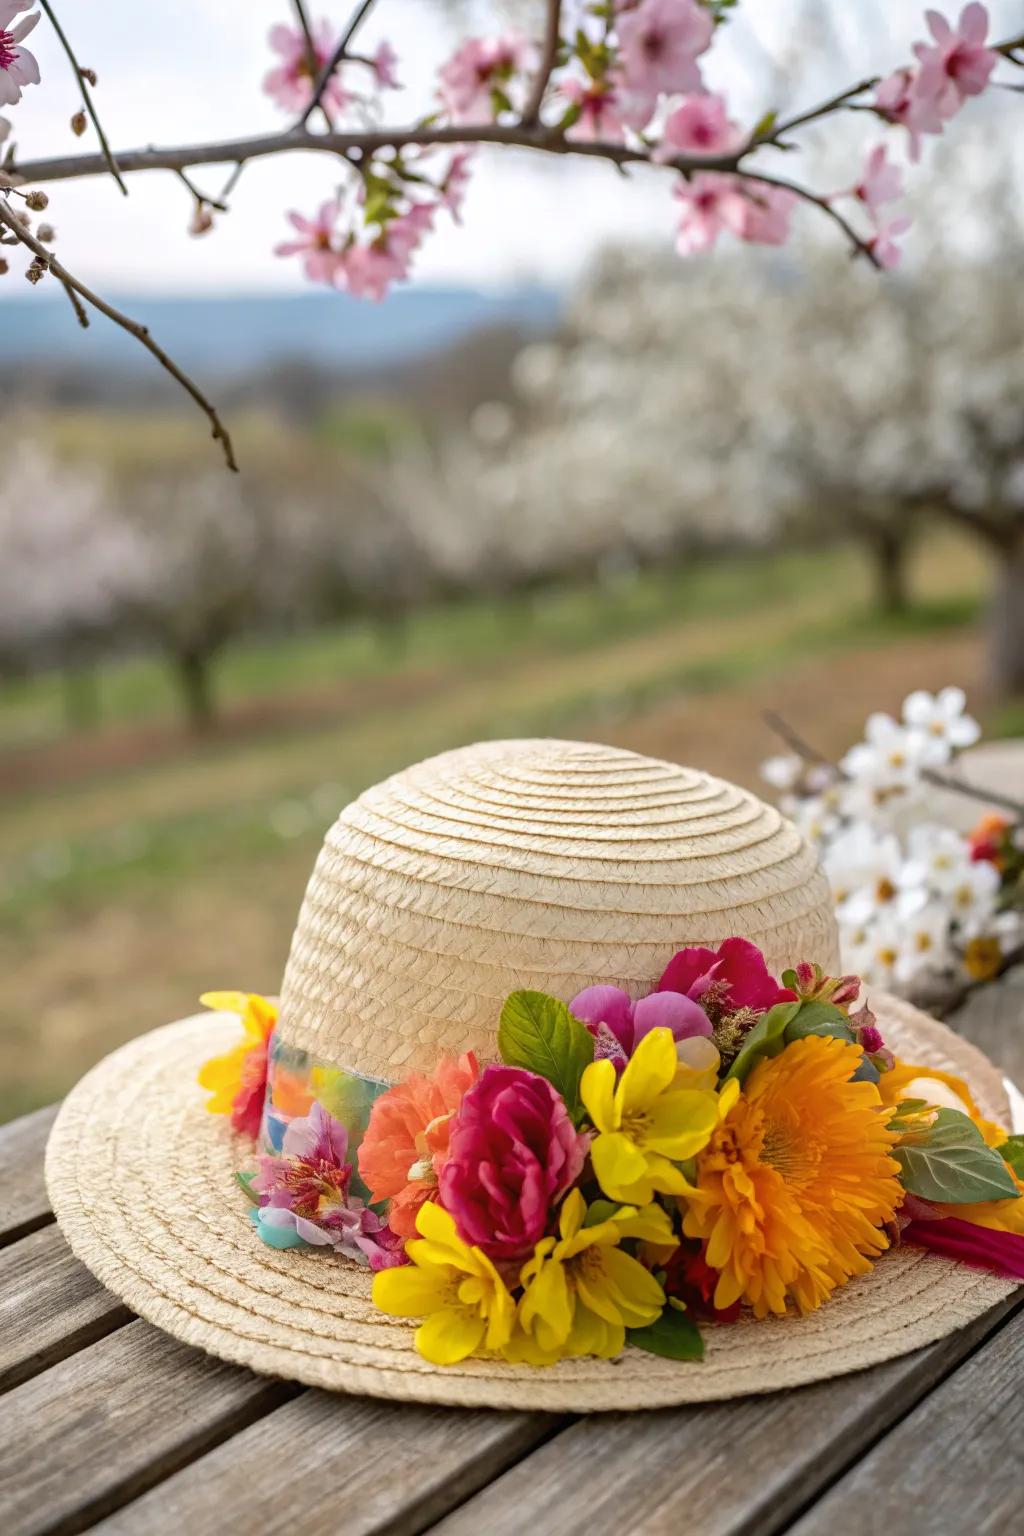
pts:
pixel 974 23
pixel 1002 1252
pixel 669 1010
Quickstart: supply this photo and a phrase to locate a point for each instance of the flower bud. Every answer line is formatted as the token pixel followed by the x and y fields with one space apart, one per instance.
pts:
pixel 37 201
pixel 89 75
pixel 46 233
pixel 36 272
pixel 4 266
pixel 79 123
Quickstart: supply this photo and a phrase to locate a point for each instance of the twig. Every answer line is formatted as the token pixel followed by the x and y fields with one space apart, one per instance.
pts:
pixel 549 54
pixel 108 153
pixel 312 59
pixel 340 53
pixel 200 197
pixel 81 314
pixel 811 754
pixel 141 332
pixel 860 246
pixel 834 104
pixel 232 182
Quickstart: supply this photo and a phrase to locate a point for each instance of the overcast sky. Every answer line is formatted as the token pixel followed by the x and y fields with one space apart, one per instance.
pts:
pixel 190 71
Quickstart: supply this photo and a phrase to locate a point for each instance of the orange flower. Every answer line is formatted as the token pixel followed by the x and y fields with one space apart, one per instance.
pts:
pixel 406 1141
pixel 797 1182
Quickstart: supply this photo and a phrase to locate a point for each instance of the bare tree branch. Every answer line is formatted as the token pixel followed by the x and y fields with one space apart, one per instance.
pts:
pixel 549 54
pixel 108 154
pixel 311 60
pixel 72 285
pixel 359 15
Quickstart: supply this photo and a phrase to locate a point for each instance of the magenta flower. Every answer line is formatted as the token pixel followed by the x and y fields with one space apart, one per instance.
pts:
pixel 598 104
pixel 732 977
pixel 660 42
pixel 712 202
pixel 700 125
pixel 290 83
pixel 958 65
pixel 513 1152
pixel 618 1024
pixel 304 1193
pixel 321 258
pixel 18 67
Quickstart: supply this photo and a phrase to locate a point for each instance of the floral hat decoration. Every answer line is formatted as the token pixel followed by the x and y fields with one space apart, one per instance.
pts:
pixel 564 1106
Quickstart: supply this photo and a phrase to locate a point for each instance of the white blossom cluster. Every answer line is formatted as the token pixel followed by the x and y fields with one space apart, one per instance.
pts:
pixel 913 902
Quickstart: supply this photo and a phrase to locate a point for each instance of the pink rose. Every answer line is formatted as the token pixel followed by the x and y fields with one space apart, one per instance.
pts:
pixel 734 977
pixel 512 1153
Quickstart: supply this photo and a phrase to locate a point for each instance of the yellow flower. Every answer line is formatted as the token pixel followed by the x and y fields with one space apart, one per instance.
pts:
pixel 797 1182
pixel 646 1121
pixel 456 1289
pixel 581 1291
pixel 939 1090
pixel 237 1080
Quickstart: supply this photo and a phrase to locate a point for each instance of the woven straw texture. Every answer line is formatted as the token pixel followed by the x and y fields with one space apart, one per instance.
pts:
pixel 141 1182
pixel 545 864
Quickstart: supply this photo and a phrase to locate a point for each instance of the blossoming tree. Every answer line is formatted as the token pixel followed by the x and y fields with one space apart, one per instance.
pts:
pixel 621 81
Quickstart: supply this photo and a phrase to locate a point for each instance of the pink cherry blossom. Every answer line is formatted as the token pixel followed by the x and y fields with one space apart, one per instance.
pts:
pixel 899 101
pixel 880 182
pixel 700 125
pixel 712 202
pixel 18 67
pixel 660 42
pixel 599 109
pixel 769 214
pixel 384 65
pixel 290 83
pixel 321 258
pixel 959 65
pixel 478 67
pixel 368 271
pixel 883 244
pixel 452 189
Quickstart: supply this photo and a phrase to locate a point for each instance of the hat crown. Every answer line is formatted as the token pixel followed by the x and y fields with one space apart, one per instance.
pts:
pixel 543 864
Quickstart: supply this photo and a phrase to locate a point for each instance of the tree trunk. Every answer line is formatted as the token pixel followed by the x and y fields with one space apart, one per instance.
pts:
pixel 193 668
pixel 1006 627
pixel 887 549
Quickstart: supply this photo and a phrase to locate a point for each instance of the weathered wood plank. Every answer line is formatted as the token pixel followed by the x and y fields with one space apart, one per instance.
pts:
pixel 325 1463
pixel 993 1017
pixel 952 1466
pixel 23 1202
pixel 720 1469
pixel 103 1426
pixel 50 1306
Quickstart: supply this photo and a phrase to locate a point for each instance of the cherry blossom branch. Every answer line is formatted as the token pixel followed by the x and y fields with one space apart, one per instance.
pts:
pixel 359 15
pixel 83 83
pixel 860 246
pixel 311 60
pixel 72 285
pixel 810 754
pixel 778 131
pixel 548 59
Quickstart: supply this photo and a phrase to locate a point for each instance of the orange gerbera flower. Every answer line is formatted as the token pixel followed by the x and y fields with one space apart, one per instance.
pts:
pixel 406 1141
pixel 797 1181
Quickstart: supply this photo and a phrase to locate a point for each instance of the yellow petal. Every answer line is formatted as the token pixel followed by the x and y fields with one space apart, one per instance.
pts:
pixel 730 1092
pixel 651 1224
pixel 621 1169
pixel 448 1336
pixel 680 1123
pixel 633 1289
pixel 408 1292
pixel 649 1071
pixel 547 1300
pixel 592 1335
pixel 597 1090
pixel 570 1218
pixel 225 1002
pixel 699 1063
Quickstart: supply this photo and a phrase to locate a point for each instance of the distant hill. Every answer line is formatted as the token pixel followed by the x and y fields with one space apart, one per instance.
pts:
pixel 230 337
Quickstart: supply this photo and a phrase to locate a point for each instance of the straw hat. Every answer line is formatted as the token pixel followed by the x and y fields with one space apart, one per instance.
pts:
pixel 540 864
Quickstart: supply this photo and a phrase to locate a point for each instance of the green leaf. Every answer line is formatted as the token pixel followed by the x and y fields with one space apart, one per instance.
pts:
pixel 245 1183
pixel 818 1018
pixel 673 1335
pixel 539 1033
pixel 948 1161
pixel 765 1039
pixel 1012 1152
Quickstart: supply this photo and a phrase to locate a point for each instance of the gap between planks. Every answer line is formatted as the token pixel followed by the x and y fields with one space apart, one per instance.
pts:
pixel 24 1205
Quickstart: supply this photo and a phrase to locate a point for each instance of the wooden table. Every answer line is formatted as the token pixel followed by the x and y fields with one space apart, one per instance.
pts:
pixel 108 1425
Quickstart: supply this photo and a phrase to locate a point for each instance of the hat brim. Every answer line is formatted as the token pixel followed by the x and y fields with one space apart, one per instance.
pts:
pixel 142 1183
